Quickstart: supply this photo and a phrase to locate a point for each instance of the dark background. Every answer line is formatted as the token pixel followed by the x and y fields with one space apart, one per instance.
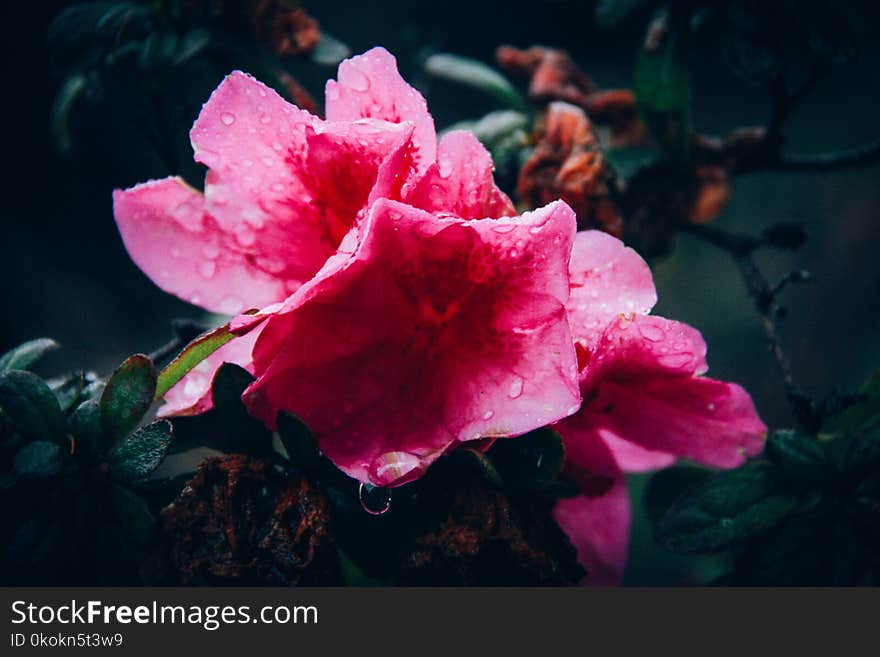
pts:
pixel 66 275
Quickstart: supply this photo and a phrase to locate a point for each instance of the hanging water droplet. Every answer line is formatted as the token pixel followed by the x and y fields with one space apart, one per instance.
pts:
pixel 374 500
pixel 227 118
pixel 265 119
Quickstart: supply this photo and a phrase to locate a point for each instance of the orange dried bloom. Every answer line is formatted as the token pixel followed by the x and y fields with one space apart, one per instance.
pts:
pixel 568 163
pixel 287 30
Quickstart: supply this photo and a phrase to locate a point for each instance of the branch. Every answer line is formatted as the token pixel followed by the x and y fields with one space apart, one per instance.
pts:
pixel 763 295
pixel 822 162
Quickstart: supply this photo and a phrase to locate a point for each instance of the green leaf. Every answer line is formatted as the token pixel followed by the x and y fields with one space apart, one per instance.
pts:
pixel 73 89
pixel 127 397
pixel 38 459
pixel 865 414
pixel 31 406
pixel 85 427
pixel 863 453
pixel 137 455
pixel 611 12
pixel 193 354
pixel 67 389
pixel 663 93
pixel 798 457
pixel 531 461
pixel 626 161
pixel 25 355
pixel 668 485
pixel 475 74
pixel 192 43
pixel 330 50
pixel 725 510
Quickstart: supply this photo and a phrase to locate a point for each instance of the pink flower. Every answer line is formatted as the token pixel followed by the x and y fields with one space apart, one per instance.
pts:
pixel 646 401
pixel 433 332
pixel 285 187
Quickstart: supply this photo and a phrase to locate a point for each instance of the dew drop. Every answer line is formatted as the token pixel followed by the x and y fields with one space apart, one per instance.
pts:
pixel 516 388
pixel 207 268
pixel 265 119
pixel 357 80
pixel 374 500
pixel 651 332
pixel 488 415
pixel 210 251
pixel 227 118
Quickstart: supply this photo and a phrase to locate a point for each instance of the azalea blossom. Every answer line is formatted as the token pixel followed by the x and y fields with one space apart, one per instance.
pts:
pixel 435 331
pixel 285 187
pixel 646 400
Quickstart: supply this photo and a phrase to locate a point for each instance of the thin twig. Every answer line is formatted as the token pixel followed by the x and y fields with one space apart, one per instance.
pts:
pixel 763 295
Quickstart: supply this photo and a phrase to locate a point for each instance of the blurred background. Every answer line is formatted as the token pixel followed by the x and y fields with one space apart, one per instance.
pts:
pixel 65 273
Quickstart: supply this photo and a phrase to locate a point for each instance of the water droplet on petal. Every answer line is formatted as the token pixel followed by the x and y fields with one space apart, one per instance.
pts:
pixel 516 388
pixel 210 251
pixel 391 467
pixel 207 268
pixel 227 118
pixel 265 119
pixel 652 333
pixel 488 415
pixel 357 80
pixel 504 228
pixel 374 500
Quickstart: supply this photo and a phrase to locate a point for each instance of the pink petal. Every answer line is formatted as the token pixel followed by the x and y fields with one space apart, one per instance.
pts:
pixel 598 528
pixel 698 418
pixel 461 182
pixel 287 185
pixel 607 279
pixel 370 86
pixel 352 163
pixel 434 331
pixel 643 387
pixel 186 252
pixel 635 347
pixel 582 434
pixel 192 395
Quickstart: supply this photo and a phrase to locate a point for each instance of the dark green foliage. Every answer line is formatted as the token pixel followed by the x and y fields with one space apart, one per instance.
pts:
pixel 807 512
pixel 71 451
pixel 127 396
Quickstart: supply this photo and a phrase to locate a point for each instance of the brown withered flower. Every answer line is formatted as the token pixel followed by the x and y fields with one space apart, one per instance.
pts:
pixel 284 27
pixel 486 538
pixel 552 74
pixel 248 521
pixel 568 163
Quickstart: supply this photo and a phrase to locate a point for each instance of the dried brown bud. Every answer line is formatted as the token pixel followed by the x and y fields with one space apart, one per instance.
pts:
pixel 287 30
pixel 248 521
pixel 711 192
pixel 552 74
pixel 485 538
pixel 568 163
